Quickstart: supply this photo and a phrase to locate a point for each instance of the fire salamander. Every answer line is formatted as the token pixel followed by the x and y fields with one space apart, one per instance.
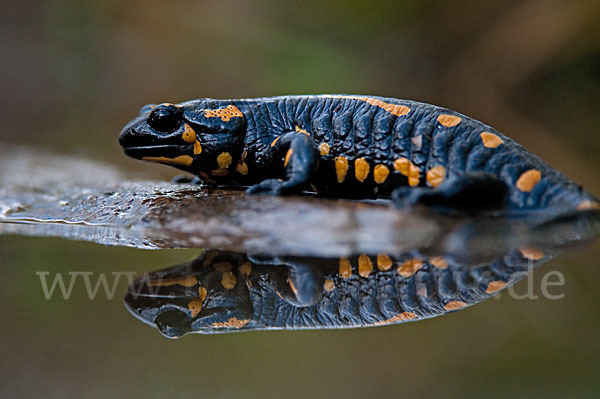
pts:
pixel 223 292
pixel 350 146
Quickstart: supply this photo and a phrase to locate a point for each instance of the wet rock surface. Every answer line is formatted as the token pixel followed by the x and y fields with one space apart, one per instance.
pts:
pixel 52 195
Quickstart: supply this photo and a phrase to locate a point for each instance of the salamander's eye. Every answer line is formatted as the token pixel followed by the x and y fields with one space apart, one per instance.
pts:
pixel 165 118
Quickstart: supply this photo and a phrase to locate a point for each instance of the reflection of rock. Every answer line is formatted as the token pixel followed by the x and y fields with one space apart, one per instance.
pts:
pixel 227 291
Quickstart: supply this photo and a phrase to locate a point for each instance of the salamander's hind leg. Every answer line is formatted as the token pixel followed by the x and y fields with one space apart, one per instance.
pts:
pixel 300 160
pixel 466 192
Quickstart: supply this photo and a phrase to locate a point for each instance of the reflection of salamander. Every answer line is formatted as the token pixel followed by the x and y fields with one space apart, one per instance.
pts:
pixel 225 291
pixel 350 146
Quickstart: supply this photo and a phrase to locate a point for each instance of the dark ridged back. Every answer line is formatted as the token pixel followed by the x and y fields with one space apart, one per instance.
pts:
pixel 389 297
pixel 372 128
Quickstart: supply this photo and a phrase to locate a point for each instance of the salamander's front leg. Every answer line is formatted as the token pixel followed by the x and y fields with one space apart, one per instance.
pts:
pixel 300 160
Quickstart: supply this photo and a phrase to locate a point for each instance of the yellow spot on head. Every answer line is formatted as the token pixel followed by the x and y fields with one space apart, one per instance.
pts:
pixel 436 175
pixel 410 267
pixel 187 281
pixel 383 262
pixel 224 160
pixel 448 120
pixel 455 305
pixel 197 148
pixel 225 114
pixel 275 141
pixel 495 286
pixel 490 140
pixel 361 169
pixel 287 157
pixel 380 173
pixel 341 168
pixel 329 285
pixel 189 135
pixel 233 322
pixel 438 262
pixel 228 280
pixel 242 168
pixel 345 268
pixel 394 109
pixel 528 180
pixel 195 306
pixel 303 131
pixel 223 266
pixel 365 266
pixel 587 205
pixel 185 160
pixel 531 253
pixel 324 149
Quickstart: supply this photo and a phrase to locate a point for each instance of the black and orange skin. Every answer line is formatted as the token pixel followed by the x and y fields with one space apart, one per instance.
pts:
pixel 311 293
pixel 351 147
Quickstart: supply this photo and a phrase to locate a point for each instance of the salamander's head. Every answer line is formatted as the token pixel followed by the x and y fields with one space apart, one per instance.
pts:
pixel 207 295
pixel 200 137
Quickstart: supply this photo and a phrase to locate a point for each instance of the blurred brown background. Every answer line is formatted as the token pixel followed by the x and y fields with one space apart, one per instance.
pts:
pixel 74 72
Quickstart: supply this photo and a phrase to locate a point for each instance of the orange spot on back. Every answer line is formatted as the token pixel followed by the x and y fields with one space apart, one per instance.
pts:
pixel 225 114
pixel 394 109
pixel 365 265
pixel 448 120
pixel 436 175
pixel 455 305
pixel 587 205
pixel 361 169
pixel 341 168
pixel 197 148
pixel 345 269
pixel 380 173
pixel 293 287
pixel 287 157
pixel 224 160
pixel 223 266
pixel 383 262
pixel 531 253
pixel 202 292
pixel 410 267
pixel 195 306
pixel 329 285
pixel 303 131
pixel 495 286
pixel 490 140
pixel 233 322
pixel 228 280
pixel 242 168
pixel 438 262
pixel 404 316
pixel 246 269
pixel 528 180
pixel 408 169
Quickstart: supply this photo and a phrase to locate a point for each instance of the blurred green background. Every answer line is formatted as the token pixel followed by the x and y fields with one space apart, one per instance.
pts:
pixel 74 72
